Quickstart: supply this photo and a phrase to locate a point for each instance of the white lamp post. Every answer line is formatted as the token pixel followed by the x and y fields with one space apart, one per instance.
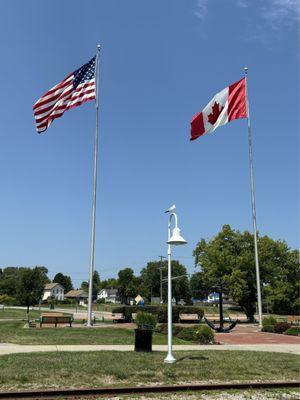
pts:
pixel 176 239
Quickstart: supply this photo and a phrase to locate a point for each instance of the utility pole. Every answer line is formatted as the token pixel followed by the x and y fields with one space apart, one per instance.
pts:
pixel 160 270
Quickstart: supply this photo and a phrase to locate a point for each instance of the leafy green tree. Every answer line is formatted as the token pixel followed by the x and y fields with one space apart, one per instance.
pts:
pixel 150 276
pixel 64 280
pixel 96 284
pixel 282 292
pixel 227 263
pixel 199 287
pixel 127 284
pixel 30 286
pixel 84 286
pixel 110 283
pixel 9 279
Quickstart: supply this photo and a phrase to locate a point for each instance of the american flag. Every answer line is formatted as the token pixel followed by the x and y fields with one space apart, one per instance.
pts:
pixel 77 88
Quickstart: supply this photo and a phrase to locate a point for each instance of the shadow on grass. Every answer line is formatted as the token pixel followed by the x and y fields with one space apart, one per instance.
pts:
pixel 192 358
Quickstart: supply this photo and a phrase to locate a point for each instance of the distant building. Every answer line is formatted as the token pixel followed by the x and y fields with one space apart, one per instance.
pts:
pixel 212 298
pixel 109 295
pixel 53 290
pixel 79 295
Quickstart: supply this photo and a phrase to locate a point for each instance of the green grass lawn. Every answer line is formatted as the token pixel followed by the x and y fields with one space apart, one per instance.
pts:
pixel 107 368
pixel 14 332
pixel 14 313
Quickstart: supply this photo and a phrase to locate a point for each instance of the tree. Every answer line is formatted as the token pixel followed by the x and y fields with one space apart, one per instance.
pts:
pixel 199 288
pixel 127 284
pixel 150 276
pixel 84 286
pixel 282 291
pixel 30 286
pixel 96 285
pixel 110 283
pixel 227 263
pixel 9 279
pixel 64 280
pixel 180 283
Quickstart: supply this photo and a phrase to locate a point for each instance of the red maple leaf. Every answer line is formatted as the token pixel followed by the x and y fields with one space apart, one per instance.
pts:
pixel 214 115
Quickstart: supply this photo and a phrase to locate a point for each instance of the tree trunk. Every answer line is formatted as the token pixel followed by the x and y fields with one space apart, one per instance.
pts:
pixel 27 313
pixel 249 311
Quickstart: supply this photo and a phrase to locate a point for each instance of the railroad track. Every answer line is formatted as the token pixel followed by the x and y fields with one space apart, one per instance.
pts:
pixel 114 391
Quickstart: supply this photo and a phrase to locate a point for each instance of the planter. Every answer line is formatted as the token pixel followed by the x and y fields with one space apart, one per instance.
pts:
pixel 143 340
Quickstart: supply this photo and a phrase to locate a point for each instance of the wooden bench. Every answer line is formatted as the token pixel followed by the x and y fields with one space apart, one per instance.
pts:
pixel 189 317
pixel 214 318
pixel 118 317
pixel 293 319
pixel 56 318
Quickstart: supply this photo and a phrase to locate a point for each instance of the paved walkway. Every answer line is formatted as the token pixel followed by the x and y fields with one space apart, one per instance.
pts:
pixel 251 334
pixel 8 348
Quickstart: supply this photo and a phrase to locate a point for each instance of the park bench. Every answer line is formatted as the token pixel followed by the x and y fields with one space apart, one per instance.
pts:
pixel 213 318
pixel 293 319
pixel 189 317
pixel 55 318
pixel 118 317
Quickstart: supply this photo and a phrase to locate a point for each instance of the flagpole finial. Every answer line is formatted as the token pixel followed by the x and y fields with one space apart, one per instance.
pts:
pixel 98 47
pixel 246 70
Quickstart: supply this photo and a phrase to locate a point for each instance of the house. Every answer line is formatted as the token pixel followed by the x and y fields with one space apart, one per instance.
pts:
pixel 79 295
pixel 54 291
pixel 109 295
pixel 212 298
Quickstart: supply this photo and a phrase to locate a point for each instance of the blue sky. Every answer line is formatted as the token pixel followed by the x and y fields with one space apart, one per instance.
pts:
pixel 161 62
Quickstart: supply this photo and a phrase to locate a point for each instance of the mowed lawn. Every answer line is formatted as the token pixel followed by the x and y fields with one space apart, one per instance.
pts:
pixel 14 332
pixel 14 313
pixel 107 368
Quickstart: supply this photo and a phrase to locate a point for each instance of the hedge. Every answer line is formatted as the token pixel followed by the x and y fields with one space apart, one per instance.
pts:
pixel 161 312
pixel 201 334
pixel 293 331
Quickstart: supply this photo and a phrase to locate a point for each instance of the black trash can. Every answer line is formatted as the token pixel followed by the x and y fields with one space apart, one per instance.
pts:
pixel 143 340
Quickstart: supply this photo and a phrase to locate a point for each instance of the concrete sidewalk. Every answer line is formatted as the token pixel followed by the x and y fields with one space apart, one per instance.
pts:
pixel 9 348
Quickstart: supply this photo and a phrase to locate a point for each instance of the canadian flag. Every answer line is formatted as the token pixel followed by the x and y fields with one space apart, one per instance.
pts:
pixel 227 105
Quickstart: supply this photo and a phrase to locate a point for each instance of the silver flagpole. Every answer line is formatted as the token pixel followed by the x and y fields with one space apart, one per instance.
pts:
pixel 90 298
pixel 253 204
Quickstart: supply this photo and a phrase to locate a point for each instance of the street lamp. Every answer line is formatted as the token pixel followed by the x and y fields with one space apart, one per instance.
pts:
pixel 176 239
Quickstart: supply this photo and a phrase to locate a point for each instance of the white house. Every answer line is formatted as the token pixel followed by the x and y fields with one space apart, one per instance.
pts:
pixel 54 290
pixel 212 298
pixel 109 295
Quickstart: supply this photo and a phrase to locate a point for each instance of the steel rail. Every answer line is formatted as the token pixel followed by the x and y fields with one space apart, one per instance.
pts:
pixel 104 391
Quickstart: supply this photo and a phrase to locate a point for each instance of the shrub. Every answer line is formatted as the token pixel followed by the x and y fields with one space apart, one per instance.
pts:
pixel 65 301
pixel 268 321
pixel 145 320
pixel 293 331
pixel 268 328
pixel 187 334
pixel 163 328
pixel 100 301
pixel 7 300
pixel 281 327
pixel 204 335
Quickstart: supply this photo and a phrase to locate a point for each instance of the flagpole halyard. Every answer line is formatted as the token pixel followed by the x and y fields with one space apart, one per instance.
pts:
pixel 92 248
pixel 258 284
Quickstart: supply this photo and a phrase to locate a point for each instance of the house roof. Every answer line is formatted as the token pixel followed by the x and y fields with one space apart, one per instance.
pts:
pixel 76 294
pixel 50 286
pixel 110 292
